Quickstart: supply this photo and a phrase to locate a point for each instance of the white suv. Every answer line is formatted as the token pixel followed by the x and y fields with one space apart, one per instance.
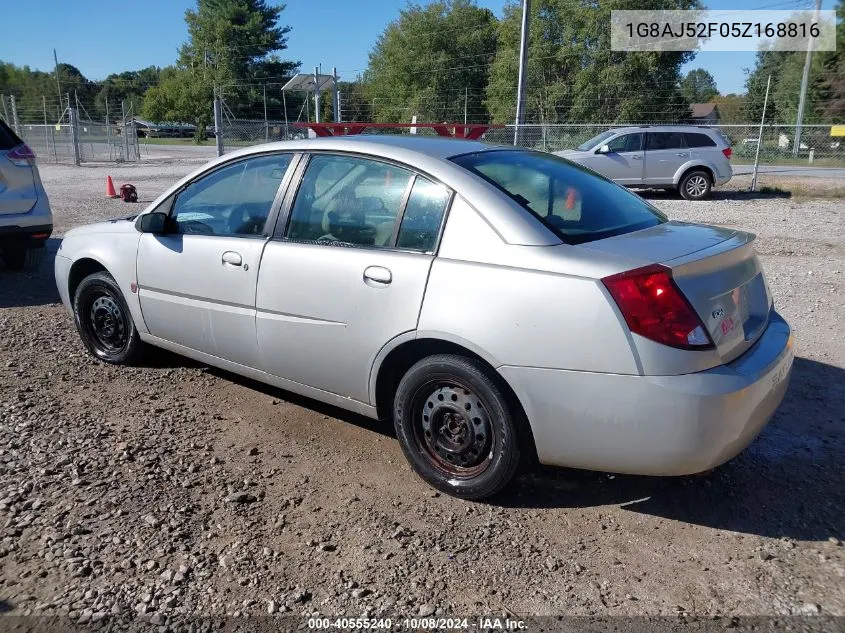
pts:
pixel 687 158
pixel 25 218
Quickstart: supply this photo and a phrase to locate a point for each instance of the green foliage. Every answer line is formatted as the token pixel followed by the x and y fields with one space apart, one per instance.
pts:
pixel 830 84
pixel 432 62
pixel 730 108
pixel 231 48
pixel 698 86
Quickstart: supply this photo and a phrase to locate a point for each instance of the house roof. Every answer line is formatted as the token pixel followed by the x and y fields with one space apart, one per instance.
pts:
pixel 703 110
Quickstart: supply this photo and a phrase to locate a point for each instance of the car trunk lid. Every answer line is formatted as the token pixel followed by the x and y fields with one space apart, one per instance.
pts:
pixel 717 271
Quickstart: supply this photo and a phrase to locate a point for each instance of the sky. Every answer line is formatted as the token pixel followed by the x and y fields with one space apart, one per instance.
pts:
pixel 94 35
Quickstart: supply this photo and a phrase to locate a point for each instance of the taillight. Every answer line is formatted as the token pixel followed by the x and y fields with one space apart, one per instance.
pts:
pixel 727 152
pixel 21 156
pixel 654 307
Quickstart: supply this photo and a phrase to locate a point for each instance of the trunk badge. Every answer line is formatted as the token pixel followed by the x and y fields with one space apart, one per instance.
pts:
pixel 718 313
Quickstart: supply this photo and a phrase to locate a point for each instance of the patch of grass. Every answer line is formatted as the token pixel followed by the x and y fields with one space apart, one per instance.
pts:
pixel 804 192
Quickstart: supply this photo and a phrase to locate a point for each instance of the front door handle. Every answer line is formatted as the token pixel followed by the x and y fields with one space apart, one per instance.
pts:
pixel 377 276
pixel 635 157
pixel 681 154
pixel 233 258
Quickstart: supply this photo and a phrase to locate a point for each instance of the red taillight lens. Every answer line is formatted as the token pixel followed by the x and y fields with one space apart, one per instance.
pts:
pixel 655 308
pixel 727 152
pixel 22 155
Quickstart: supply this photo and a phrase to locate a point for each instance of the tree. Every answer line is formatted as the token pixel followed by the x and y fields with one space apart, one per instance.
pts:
pixel 432 62
pixel 126 87
pixel 730 108
pixel 698 86
pixel 574 76
pixel 232 49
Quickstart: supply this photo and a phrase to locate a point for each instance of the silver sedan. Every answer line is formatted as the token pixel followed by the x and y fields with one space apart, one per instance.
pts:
pixel 499 305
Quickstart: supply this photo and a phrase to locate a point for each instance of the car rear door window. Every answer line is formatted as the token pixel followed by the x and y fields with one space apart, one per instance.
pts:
pixel 423 215
pixel 665 140
pixel 575 203
pixel 233 200
pixel 697 139
pixel 348 200
pixel 626 143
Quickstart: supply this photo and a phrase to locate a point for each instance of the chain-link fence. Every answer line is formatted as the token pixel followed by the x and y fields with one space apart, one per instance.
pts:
pixel 68 134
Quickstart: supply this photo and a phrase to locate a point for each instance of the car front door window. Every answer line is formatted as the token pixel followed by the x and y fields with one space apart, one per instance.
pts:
pixel 626 143
pixel 234 200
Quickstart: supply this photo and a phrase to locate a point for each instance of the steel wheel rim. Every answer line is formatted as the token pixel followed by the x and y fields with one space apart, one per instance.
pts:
pixel 107 323
pixel 696 186
pixel 452 429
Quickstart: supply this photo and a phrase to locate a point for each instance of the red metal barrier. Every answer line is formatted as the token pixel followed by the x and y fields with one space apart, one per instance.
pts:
pixel 470 131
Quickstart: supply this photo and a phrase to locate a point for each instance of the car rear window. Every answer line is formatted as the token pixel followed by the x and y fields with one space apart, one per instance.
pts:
pixel 575 203
pixel 8 139
pixel 696 139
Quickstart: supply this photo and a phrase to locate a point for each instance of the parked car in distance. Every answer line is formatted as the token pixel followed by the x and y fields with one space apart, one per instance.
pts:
pixel 499 304
pixel 688 159
pixel 25 218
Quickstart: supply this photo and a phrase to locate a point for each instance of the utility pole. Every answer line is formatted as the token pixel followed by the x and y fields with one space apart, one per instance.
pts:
pixel 316 94
pixel 336 96
pixel 760 136
pixel 805 80
pixel 58 83
pixel 523 71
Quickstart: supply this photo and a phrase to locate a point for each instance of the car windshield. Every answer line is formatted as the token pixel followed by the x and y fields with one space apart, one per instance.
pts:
pixel 574 202
pixel 583 147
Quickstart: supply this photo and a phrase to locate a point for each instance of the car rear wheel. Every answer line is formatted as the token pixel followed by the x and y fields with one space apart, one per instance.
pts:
pixel 104 321
pixel 456 427
pixel 695 185
pixel 16 258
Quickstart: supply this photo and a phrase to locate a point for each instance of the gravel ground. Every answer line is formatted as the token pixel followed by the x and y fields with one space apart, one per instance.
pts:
pixel 173 489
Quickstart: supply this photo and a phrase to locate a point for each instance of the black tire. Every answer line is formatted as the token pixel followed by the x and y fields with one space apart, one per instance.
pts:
pixel 695 185
pixel 104 321
pixel 16 258
pixel 468 447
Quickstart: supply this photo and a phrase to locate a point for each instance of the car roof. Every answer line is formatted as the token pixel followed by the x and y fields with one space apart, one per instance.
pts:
pixel 387 145
pixel 664 128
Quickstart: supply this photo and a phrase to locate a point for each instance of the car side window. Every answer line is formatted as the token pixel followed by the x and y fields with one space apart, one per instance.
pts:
pixel 423 215
pixel 233 200
pixel 665 140
pixel 626 143
pixel 348 200
pixel 696 139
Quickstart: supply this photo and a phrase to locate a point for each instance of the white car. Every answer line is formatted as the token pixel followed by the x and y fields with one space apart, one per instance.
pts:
pixel 497 303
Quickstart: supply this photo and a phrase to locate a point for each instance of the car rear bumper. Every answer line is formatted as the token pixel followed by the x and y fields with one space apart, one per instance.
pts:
pixel 656 425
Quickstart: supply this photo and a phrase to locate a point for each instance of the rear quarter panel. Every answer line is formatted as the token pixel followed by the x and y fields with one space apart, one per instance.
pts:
pixel 518 305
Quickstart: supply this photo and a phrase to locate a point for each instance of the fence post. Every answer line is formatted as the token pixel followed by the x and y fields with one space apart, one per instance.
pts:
pixel 335 97
pixel 285 108
pixel 218 125
pixel 74 134
pixel 15 123
pixel 5 110
pixel 108 129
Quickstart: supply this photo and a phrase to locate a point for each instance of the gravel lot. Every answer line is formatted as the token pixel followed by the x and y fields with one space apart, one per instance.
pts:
pixel 173 489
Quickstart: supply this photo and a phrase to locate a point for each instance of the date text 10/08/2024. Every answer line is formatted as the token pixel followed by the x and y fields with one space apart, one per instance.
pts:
pixel 424 623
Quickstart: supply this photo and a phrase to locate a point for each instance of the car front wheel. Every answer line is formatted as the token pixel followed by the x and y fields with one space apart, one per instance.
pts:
pixel 695 185
pixel 104 321
pixel 456 427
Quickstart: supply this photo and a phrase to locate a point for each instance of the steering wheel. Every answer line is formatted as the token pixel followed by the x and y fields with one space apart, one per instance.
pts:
pixel 195 227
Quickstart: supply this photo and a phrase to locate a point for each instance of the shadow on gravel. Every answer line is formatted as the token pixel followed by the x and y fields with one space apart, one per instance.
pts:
pixel 660 194
pixel 788 483
pixel 30 288
pixel 376 426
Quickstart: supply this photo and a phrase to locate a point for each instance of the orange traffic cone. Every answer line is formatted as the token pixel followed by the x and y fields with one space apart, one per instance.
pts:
pixel 110 192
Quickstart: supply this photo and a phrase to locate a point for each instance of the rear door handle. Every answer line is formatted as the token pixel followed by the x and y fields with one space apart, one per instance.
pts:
pixel 233 258
pixel 635 157
pixel 377 276
pixel 681 154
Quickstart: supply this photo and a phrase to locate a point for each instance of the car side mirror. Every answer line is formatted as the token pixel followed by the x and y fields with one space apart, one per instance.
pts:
pixel 155 222
pixel 604 149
